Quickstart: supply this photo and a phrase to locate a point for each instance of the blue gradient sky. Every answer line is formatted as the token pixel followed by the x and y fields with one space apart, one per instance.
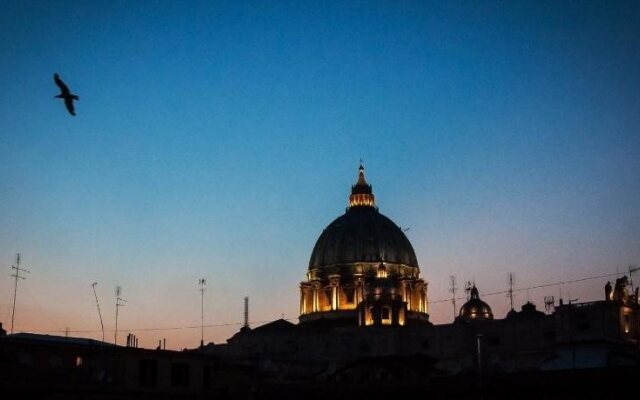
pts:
pixel 218 139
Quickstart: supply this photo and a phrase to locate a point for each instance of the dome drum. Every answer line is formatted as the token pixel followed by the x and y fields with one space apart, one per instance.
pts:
pixel 366 269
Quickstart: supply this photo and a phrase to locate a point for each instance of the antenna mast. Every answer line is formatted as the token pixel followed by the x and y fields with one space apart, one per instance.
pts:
pixel 119 303
pixel 17 276
pixel 246 312
pixel 549 303
pixel 202 282
pixel 93 286
pixel 452 289
pixel 512 281
pixel 632 269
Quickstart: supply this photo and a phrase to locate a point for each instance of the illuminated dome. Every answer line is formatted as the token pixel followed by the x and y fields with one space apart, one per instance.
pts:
pixel 352 257
pixel 475 309
pixel 362 234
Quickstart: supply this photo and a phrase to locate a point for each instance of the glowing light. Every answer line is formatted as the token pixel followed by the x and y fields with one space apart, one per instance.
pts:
pixel 382 271
pixel 361 199
pixel 334 298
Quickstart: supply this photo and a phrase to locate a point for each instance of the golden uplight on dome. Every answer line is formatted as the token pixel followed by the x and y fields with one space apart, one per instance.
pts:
pixel 361 192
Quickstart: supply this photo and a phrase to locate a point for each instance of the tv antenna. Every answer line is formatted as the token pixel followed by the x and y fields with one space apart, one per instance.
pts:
pixel 452 289
pixel 119 303
pixel 549 303
pixel 93 286
pixel 512 281
pixel 16 275
pixel 202 282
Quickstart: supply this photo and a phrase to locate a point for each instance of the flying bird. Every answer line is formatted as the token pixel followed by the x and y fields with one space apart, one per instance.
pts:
pixel 65 94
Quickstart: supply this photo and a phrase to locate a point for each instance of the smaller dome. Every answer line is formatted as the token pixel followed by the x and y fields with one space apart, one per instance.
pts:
pixel 475 309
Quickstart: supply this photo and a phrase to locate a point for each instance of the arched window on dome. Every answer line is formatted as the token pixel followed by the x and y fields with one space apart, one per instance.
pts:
pixel 368 318
pixel 382 271
pixel 350 294
pixel 386 316
pixel 328 297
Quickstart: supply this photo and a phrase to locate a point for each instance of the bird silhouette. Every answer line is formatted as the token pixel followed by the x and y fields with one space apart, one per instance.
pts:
pixel 65 94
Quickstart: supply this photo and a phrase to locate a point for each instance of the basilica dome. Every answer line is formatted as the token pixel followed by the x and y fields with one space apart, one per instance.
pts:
pixel 362 234
pixel 363 269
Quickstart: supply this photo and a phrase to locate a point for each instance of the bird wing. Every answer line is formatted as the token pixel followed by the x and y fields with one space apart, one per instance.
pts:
pixel 61 85
pixel 68 101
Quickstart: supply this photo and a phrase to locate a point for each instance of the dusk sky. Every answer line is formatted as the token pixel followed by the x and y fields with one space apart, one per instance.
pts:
pixel 217 139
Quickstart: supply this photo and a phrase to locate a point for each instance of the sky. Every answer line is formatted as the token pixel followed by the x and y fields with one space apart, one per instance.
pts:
pixel 217 139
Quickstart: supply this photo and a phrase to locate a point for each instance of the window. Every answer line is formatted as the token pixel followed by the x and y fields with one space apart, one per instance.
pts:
pixel 180 375
pixel 386 316
pixel 382 271
pixel 327 297
pixel 350 292
pixel 148 373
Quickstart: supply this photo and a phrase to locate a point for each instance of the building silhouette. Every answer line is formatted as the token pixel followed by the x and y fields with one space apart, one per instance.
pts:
pixel 363 332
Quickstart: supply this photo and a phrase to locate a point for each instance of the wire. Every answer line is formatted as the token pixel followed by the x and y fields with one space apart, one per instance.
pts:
pixel 169 328
pixel 536 287
pixel 174 328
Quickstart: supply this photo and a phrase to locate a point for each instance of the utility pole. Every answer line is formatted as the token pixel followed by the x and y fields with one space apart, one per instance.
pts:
pixel 452 289
pixel 17 276
pixel 119 303
pixel 202 282
pixel 93 286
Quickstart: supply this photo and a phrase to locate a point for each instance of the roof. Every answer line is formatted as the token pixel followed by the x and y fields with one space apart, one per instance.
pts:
pixel 279 325
pixel 53 339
